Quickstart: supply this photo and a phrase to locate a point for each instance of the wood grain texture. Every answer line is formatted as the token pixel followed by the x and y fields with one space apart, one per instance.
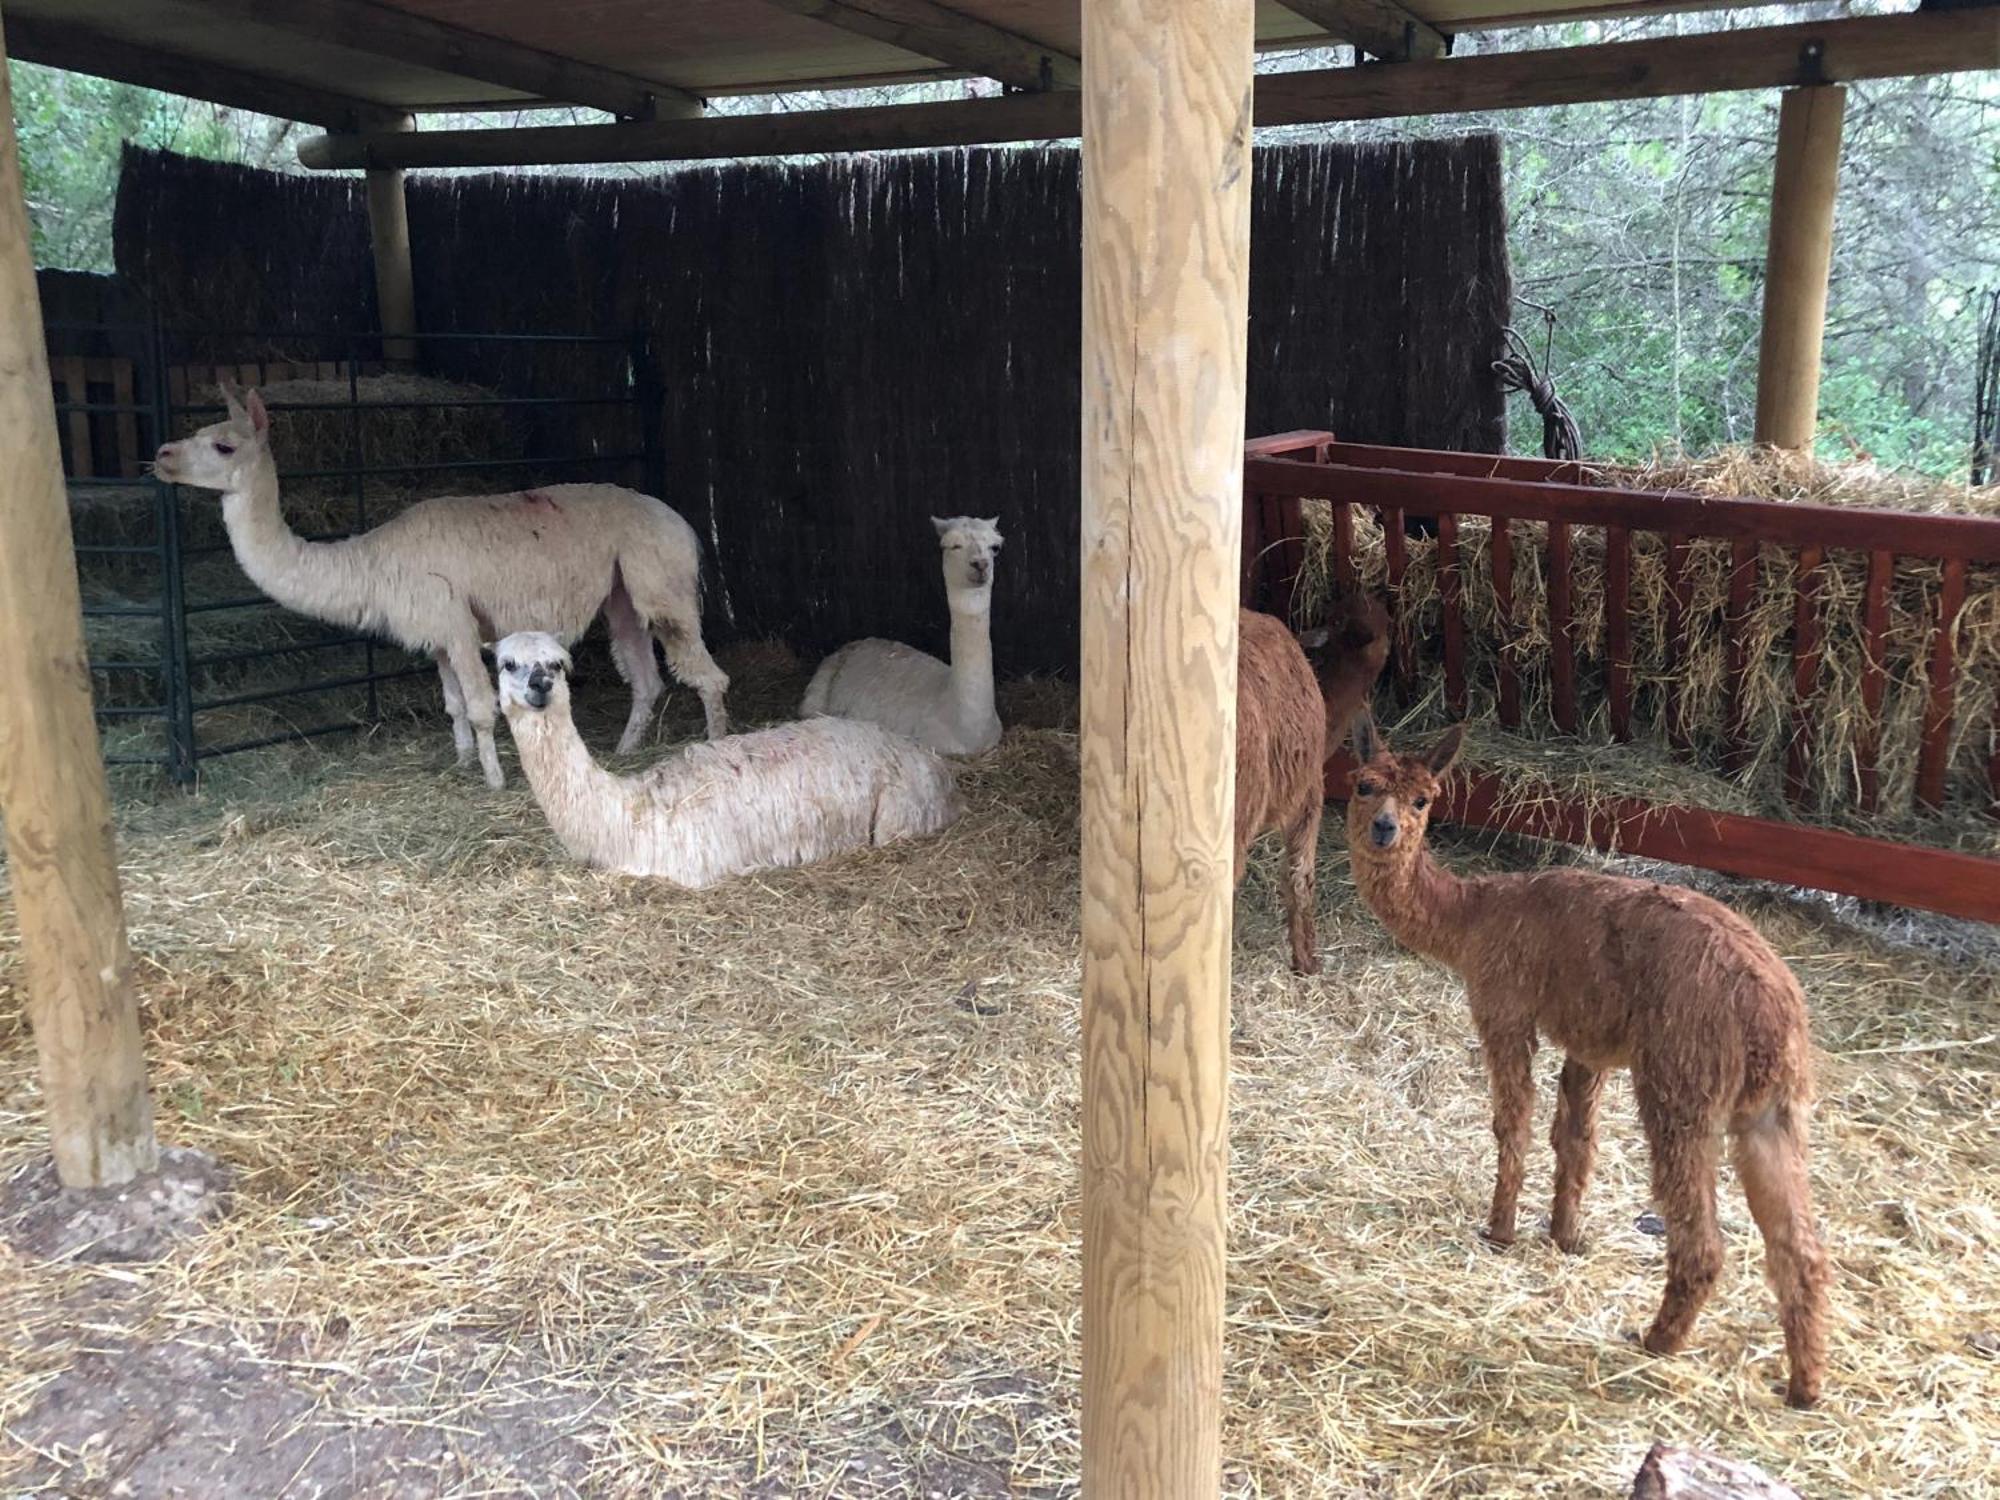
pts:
pixel 1166 229
pixel 1798 258
pixel 52 793
pixel 1618 628
pixel 1381 27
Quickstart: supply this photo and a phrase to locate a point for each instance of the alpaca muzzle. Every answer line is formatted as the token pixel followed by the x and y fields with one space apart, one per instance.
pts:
pixel 540 686
pixel 1382 832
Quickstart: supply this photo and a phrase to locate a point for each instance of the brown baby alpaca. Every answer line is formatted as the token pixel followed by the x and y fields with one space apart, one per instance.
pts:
pixel 1285 728
pixel 1619 973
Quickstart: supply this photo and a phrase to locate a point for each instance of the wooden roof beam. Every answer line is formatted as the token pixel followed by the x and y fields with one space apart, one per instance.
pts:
pixel 1380 27
pixel 380 29
pixel 1830 51
pixel 59 44
pixel 950 36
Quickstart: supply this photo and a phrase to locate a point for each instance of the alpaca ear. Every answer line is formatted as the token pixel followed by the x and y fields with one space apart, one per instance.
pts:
pixel 942 526
pixel 1313 638
pixel 1444 754
pixel 260 420
pixel 232 398
pixel 1367 744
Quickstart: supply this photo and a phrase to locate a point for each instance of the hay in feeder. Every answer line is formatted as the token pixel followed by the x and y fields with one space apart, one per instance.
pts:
pixel 772 1189
pixel 1699 685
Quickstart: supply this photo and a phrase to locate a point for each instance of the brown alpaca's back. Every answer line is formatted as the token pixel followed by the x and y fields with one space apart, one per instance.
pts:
pixel 1625 973
pixel 1280 765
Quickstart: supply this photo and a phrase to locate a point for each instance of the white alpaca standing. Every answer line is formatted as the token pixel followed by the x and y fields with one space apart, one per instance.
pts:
pixel 451 572
pixel 792 795
pixel 949 708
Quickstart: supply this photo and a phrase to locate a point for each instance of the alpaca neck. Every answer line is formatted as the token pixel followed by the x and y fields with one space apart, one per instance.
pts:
pixel 972 655
pixel 306 577
pixel 1424 905
pixel 568 785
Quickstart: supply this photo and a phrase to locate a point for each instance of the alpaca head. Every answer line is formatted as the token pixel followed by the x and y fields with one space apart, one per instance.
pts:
pixel 1356 632
pixel 969 546
pixel 1394 794
pixel 534 674
pixel 222 454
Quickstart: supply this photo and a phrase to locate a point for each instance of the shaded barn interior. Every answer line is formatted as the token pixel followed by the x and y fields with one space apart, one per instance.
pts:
pixel 846 347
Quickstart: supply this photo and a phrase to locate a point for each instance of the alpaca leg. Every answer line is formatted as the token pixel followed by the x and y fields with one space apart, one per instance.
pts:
pixel 1684 1151
pixel 480 703
pixel 632 653
pixel 454 704
pixel 1575 1140
pixel 1510 1056
pixel 689 661
pixel 1301 888
pixel 1771 1159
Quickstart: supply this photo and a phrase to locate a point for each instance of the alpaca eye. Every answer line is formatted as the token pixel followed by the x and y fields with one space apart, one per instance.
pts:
pixel 225 449
pixel 508 666
pixel 1369 788
pixel 1422 803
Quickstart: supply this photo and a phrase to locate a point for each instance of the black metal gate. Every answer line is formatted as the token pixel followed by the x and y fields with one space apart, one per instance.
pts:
pixel 188 660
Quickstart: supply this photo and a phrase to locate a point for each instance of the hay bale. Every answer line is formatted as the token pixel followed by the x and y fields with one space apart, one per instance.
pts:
pixel 1700 682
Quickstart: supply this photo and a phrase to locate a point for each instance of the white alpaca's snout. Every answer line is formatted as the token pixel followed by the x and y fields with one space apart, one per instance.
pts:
pixel 532 663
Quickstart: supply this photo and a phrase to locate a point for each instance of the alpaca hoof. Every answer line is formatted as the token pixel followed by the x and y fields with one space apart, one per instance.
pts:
pixel 1653 1341
pixel 1497 1239
pixel 494 778
pixel 1571 1244
pixel 1801 1397
pixel 1306 968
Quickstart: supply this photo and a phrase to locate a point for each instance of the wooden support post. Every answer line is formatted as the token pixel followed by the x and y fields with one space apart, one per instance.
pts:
pixel 52 793
pixel 1796 265
pixel 1166 235
pixel 389 237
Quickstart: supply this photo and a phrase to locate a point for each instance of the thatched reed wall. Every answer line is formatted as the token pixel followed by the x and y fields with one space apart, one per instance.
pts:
pixel 850 346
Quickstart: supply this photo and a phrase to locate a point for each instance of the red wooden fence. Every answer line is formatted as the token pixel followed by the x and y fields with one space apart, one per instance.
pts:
pixel 1281 471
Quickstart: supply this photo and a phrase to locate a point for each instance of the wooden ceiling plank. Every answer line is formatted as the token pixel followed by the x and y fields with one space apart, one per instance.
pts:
pixel 949 36
pixel 362 26
pixel 79 49
pixel 1828 51
pixel 1381 27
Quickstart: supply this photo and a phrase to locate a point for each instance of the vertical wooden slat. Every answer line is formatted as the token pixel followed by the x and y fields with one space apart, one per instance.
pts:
pixel 1252 562
pixel 1735 651
pixel 1507 681
pixel 1806 653
pixel 1396 546
pixel 1934 758
pixel 1798 257
pixel 1680 732
pixel 1454 613
pixel 1342 523
pixel 75 983
pixel 1562 630
pixel 1618 627
pixel 76 387
pixel 129 456
pixel 1166 172
pixel 1289 557
pixel 1874 676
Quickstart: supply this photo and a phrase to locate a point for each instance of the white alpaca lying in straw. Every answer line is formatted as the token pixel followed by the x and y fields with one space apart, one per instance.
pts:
pixel 451 572
pixel 949 708
pixel 792 795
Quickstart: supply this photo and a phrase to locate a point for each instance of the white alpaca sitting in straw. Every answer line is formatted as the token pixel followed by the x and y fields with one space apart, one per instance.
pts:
pixel 792 795
pixel 449 573
pixel 949 708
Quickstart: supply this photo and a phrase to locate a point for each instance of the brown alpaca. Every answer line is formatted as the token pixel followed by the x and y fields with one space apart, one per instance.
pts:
pixel 1284 729
pixel 1619 973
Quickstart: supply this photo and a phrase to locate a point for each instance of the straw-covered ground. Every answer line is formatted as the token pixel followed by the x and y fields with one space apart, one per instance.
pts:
pixel 552 1182
pixel 1697 686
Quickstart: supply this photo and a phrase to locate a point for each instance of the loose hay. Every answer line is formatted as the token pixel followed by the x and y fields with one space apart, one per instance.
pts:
pixel 777 1183
pixel 1700 683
